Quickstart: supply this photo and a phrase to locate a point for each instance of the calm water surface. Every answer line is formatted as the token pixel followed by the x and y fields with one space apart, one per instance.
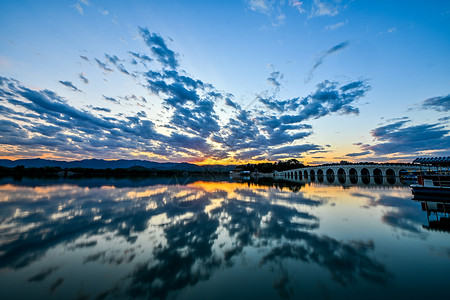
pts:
pixel 188 238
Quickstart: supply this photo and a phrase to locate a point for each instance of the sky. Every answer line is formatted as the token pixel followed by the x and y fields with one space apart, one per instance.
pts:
pixel 225 82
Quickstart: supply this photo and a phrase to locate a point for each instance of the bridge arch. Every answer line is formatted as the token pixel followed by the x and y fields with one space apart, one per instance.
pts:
pixel 365 176
pixel 295 175
pixel 341 175
pixel 353 174
pixel 312 175
pixel 377 176
pixel 390 176
pixel 305 173
pixel 330 175
pixel 320 175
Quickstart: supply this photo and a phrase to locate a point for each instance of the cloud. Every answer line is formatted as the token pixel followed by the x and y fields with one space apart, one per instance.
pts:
pixel 276 10
pixel 69 85
pixel 103 66
pixel 298 5
pixel 325 8
pixel 398 138
pixel 51 125
pixel 84 57
pixel 441 104
pixel 335 26
pixel 262 6
pixel 390 30
pixel 159 48
pixel 187 128
pixel 274 79
pixel 103 109
pixel 272 9
pixel 142 57
pixel 116 62
pixel 79 8
pixel 103 11
pixel 294 150
pixel 231 103
pixel 83 78
pixel 324 55
pixel 328 98
pixel 111 99
pixel 356 154
pixel 43 274
pixel 190 255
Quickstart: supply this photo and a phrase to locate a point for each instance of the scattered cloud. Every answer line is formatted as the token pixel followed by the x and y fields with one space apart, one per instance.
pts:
pixel 103 11
pixel 69 85
pixel 111 99
pixel 441 104
pixel 444 119
pixel 116 62
pixel 274 79
pixel 325 8
pixel 231 103
pixel 390 30
pixel 329 97
pixel 159 48
pixel 143 58
pixel 356 154
pixel 324 55
pixel 275 10
pixel 103 109
pixel 272 9
pixel 79 8
pixel 103 66
pixel 298 5
pixel 335 26
pixel 187 128
pixel 399 138
pixel 83 78
pixel 262 6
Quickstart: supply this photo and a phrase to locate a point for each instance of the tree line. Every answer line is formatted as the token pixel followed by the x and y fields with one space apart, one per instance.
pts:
pixel 271 167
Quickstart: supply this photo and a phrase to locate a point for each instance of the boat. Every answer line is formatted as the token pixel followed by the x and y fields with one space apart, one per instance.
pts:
pixel 239 173
pixel 438 208
pixel 436 185
pixel 436 181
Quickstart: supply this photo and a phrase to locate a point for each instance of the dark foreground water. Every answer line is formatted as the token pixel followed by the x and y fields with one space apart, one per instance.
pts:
pixel 187 238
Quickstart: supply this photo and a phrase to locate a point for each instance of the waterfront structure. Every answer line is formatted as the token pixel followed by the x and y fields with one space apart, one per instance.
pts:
pixel 350 173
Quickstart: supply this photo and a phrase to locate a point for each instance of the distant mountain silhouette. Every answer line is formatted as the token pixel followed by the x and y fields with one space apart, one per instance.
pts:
pixel 113 164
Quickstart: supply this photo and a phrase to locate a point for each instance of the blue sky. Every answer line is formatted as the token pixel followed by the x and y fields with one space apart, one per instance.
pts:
pixel 225 81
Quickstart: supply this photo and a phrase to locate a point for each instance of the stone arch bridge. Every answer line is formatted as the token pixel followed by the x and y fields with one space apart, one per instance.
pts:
pixel 351 173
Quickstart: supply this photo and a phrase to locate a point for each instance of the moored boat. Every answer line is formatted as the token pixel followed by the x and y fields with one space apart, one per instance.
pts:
pixel 436 181
pixel 436 185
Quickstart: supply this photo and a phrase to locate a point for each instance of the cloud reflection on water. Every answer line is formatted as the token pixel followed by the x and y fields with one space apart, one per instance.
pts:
pixel 196 232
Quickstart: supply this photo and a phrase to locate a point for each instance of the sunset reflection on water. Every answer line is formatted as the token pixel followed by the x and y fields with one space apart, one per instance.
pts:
pixel 106 239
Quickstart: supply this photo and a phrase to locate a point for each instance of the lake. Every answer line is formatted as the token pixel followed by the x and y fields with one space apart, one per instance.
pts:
pixel 216 238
